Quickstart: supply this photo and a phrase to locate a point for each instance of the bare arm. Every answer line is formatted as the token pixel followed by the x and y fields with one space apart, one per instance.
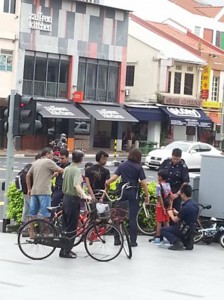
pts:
pixel 89 188
pixel 145 189
pixel 28 183
pixel 109 181
pixel 172 216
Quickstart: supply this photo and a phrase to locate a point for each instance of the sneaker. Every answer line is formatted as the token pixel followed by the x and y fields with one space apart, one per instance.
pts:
pixel 134 244
pixel 156 241
pixel 117 241
pixel 67 254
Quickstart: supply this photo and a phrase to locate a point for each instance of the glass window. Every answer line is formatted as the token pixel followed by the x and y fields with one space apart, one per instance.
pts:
pixel 130 75
pixel 6 60
pixel 215 88
pixel 177 83
pixel 9 6
pixel 169 83
pixel 46 75
pixel 98 79
pixel 204 148
pixel 188 84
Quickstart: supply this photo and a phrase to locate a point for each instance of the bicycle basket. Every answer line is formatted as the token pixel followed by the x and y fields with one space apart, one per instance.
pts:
pixel 120 210
pixel 103 211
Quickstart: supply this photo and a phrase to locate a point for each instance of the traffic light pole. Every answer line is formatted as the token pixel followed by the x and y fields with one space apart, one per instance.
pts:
pixel 10 156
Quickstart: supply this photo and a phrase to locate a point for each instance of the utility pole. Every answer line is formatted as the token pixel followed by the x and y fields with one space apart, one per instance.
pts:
pixel 10 156
pixel 222 121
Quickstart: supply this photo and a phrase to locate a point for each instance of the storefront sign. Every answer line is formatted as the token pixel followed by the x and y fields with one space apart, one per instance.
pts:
pixel 183 101
pixel 40 22
pixel 184 112
pixel 109 114
pixel 58 111
pixel 205 82
pixel 211 104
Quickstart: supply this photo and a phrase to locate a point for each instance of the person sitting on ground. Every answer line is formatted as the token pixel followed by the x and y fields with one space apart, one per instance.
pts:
pixel 162 191
pixel 179 235
pixel 97 175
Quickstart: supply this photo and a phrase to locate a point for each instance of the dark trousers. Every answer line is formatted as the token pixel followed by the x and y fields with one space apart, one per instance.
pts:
pixel 172 233
pixel 131 196
pixel 177 205
pixel 71 210
pixel 57 197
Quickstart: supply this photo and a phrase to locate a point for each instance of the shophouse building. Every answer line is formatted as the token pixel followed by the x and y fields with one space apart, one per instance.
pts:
pixel 72 61
pixel 169 72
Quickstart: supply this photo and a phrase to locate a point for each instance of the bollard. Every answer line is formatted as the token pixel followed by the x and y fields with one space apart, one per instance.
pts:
pixel 115 150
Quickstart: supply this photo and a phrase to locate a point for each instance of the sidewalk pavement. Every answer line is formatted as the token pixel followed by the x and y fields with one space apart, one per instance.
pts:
pixel 154 273
pixel 88 153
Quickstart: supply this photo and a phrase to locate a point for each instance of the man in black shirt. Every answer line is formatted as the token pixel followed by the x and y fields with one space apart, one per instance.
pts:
pixel 97 175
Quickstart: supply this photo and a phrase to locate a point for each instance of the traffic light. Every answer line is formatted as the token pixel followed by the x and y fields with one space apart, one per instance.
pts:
pixel 6 113
pixel 25 110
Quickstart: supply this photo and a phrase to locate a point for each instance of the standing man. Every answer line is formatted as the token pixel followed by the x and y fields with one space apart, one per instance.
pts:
pixel 40 175
pixel 177 175
pixel 96 175
pixel 63 163
pixel 73 193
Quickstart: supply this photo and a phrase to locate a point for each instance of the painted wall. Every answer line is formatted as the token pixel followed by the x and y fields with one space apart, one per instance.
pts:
pixel 9 30
pixel 146 80
pixel 78 29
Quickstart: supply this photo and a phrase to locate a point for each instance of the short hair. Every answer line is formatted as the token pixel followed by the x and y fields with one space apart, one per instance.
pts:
pixel 77 156
pixel 100 154
pixel 163 174
pixel 186 189
pixel 177 152
pixel 64 152
pixel 135 155
pixel 88 164
pixel 38 156
pixel 45 151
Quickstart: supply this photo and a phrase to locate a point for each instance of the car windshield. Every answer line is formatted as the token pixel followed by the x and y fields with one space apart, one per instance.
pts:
pixel 182 146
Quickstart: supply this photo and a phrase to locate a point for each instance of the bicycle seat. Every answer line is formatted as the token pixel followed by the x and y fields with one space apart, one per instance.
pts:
pixel 205 206
pixel 53 208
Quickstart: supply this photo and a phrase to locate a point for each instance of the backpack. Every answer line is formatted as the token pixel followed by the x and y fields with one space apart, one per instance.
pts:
pixel 166 200
pixel 20 179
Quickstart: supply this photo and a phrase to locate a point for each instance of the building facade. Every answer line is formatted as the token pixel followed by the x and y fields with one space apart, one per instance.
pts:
pixel 73 52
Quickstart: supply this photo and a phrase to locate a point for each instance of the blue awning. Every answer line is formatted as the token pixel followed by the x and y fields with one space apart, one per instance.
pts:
pixel 184 116
pixel 145 113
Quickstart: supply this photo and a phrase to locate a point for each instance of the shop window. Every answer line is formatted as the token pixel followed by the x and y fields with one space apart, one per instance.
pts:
pixel 45 75
pixel 190 130
pixel 98 79
pixel 177 82
pixel 188 84
pixel 9 6
pixel 130 75
pixel 215 88
pixel 6 60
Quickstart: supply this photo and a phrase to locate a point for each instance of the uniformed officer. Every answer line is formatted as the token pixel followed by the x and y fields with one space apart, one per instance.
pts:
pixel 180 235
pixel 177 175
pixel 63 163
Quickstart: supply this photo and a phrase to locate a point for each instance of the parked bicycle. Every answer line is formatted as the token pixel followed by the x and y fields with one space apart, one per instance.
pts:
pixel 96 232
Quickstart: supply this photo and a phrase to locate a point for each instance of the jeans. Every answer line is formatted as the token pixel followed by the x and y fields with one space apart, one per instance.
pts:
pixel 26 208
pixel 40 203
pixel 172 233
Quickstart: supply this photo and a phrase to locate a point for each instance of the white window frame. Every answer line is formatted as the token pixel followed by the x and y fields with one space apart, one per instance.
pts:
pixel 6 60
pixel 215 89
pixel 9 2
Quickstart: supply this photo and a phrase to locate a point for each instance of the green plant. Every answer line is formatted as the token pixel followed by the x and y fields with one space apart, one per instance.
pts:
pixel 15 203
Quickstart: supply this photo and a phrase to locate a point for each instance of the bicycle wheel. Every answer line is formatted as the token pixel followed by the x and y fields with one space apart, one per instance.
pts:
pixel 221 240
pixel 126 242
pixel 198 235
pixel 147 223
pixel 99 241
pixel 28 235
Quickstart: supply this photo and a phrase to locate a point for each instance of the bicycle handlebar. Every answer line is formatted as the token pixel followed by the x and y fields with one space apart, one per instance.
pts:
pixel 126 186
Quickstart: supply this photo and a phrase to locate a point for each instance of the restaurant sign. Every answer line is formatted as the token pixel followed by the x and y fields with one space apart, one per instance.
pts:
pixel 182 101
pixel 40 22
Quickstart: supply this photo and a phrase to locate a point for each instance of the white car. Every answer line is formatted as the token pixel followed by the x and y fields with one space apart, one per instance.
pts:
pixel 191 153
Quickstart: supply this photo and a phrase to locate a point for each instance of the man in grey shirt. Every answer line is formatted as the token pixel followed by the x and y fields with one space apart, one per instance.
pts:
pixel 40 175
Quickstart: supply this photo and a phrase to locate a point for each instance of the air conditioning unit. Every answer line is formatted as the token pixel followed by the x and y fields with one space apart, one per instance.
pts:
pixel 127 92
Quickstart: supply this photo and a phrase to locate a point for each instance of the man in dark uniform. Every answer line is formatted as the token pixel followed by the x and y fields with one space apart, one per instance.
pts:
pixel 63 163
pixel 177 175
pixel 180 235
